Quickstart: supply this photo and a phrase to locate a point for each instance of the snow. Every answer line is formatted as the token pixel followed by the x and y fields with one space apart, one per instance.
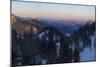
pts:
pixel 44 61
pixel 89 54
pixel 58 49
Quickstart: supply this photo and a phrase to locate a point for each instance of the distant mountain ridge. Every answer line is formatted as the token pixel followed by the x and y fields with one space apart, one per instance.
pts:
pixel 62 26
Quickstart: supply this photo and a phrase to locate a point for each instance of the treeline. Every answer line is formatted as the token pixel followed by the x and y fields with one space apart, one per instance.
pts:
pixel 50 46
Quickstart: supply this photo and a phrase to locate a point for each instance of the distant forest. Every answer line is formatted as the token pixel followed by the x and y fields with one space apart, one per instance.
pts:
pixel 48 45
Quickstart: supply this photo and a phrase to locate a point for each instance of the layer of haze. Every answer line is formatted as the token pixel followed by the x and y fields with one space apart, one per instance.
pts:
pixel 53 11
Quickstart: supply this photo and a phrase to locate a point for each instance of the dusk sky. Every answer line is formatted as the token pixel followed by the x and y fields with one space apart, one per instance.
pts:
pixel 53 11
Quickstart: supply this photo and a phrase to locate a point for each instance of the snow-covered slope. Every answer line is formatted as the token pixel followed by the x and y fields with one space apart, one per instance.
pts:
pixel 89 54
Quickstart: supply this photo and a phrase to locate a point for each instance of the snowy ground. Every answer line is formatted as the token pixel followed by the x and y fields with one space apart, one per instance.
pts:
pixel 89 54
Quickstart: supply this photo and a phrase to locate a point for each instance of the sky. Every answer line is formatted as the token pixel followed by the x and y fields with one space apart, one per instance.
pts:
pixel 53 11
